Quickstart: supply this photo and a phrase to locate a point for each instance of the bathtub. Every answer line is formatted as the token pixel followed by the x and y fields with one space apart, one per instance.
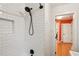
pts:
pixel 74 53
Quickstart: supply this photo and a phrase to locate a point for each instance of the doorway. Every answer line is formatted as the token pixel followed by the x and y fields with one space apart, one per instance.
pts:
pixel 63 34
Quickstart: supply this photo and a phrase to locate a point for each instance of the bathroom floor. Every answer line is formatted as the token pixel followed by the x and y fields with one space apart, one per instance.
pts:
pixel 62 49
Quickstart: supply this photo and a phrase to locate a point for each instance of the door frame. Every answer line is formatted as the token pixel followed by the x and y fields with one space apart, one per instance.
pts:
pixel 62 15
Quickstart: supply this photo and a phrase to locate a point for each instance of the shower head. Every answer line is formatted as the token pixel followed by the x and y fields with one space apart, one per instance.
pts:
pixel 28 9
pixel 31 23
pixel 41 6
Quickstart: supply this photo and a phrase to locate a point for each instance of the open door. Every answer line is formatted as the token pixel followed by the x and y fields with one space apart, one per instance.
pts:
pixel 63 34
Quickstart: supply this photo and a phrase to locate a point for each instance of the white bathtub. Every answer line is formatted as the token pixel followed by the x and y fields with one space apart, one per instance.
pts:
pixel 74 53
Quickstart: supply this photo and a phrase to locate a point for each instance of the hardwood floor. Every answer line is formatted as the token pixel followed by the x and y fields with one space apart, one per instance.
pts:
pixel 62 49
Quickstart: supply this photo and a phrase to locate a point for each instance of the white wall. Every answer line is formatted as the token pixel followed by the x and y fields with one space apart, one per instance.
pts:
pixel 13 43
pixel 64 9
pixel 67 33
pixel 23 42
pixel 47 39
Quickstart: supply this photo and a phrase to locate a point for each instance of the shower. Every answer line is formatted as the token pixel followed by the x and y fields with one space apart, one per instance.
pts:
pixel 31 22
pixel 31 27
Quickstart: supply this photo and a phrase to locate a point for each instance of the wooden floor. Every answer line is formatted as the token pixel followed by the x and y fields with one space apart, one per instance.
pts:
pixel 62 49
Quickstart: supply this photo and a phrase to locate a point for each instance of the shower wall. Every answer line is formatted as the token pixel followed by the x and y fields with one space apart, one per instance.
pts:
pixel 22 42
pixel 36 42
pixel 11 35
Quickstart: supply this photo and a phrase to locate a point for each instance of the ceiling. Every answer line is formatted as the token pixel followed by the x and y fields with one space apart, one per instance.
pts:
pixel 57 4
pixel 19 6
